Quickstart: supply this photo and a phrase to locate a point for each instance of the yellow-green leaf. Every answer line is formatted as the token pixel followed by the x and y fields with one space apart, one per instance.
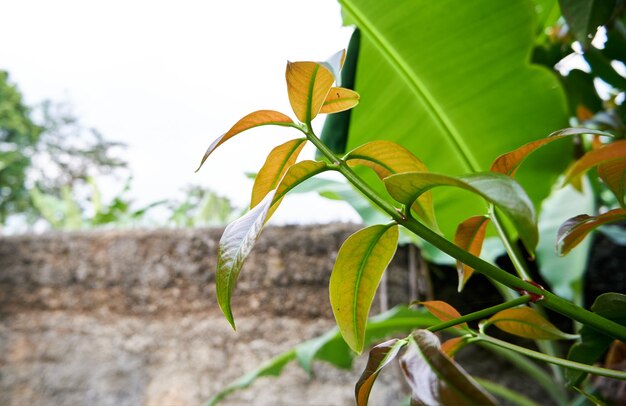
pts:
pixel 574 230
pixel 256 119
pixel 277 163
pixel 526 322
pixel 613 174
pixel 387 158
pixel 295 175
pixel 470 235
pixel 605 154
pixel 360 264
pixel 496 188
pixel 379 357
pixel 442 310
pixel 308 84
pixel 435 379
pixel 234 246
pixel 339 99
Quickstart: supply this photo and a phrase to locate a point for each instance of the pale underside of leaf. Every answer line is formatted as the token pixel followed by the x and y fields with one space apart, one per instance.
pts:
pixel 295 175
pixel 335 63
pixel 495 188
pixel 234 246
pixel 339 99
pixel 470 236
pixel 359 266
pixel 435 379
pixel 574 230
pixel 387 158
pixel 308 84
pixel 278 162
pixel 442 310
pixel 606 154
pixel 380 356
pixel 613 174
pixel 256 119
pixel 526 322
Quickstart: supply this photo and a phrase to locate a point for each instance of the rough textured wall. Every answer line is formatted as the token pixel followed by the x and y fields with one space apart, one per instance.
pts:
pixel 130 318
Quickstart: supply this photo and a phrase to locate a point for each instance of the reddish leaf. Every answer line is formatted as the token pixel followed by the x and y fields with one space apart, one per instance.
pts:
pixel 605 154
pixel 613 174
pixel 379 357
pixel 452 346
pixel 526 322
pixel 435 379
pixel 510 162
pixel 442 310
pixel 574 230
pixel 470 236
pixel 256 119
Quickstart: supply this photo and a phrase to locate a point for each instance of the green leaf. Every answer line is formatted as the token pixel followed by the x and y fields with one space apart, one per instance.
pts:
pixel 470 236
pixel 388 158
pixel 256 119
pixel 496 188
pixel 585 16
pixel 360 264
pixel 593 344
pixel 435 379
pixel 234 246
pixel 526 322
pixel 574 230
pixel 332 348
pixel 277 163
pixel 446 79
pixel 379 357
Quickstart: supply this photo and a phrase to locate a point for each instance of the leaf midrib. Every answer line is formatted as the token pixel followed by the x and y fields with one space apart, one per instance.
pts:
pixel 417 86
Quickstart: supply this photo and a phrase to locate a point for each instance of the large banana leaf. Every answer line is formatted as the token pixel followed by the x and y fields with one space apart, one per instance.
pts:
pixel 451 81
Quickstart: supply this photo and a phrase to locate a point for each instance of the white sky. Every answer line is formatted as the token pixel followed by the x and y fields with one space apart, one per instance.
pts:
pixel 167 77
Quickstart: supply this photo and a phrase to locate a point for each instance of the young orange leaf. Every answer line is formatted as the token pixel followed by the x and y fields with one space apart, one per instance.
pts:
pixel 435 379
pixel 510 162
pixel 234 246
pixel 442 310
pixel 277 163
pixel 574 230
pixel 380 356
pixel 452 346
pixel 256 119
pixel 388 158
pixel 613 174
pixel 470 236
pixel 496 188
pixel 526 322
pixel 606 154
pixel 295 175
pixel 360 264
pixel 339 99
pixel 308 84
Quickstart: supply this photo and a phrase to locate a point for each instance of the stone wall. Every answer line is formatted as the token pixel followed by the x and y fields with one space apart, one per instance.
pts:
pixel 130 318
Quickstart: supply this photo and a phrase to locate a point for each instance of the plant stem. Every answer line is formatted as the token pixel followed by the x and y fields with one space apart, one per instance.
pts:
pixel 609 373
pixel 512 396
pixel 481 313
pixel 509 245
pixel 550 300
